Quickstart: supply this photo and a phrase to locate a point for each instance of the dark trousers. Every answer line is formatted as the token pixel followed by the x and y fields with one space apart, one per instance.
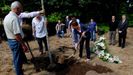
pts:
pixel 18 56
pixel 40 43
pixel 87 46
pixel 122 39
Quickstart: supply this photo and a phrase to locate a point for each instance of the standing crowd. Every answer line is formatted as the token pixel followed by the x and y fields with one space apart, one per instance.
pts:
pixel 81 34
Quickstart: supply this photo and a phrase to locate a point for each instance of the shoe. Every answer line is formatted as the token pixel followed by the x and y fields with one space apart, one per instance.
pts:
pixel 87 60
pixel 41 53
pixel 78 60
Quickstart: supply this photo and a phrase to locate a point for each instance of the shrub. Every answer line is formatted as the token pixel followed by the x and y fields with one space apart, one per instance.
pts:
pixel 54 17
pixel 102 28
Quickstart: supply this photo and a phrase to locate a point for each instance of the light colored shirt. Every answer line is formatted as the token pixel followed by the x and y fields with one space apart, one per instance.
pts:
pixel 39 26
pixel 27 15
pixel 59 27
pixel 12 25
pixel 18 19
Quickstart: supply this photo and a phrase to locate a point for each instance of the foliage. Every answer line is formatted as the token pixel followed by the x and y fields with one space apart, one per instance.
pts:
pixel 123 8
pixel 101 10
pixel 54 17
pixel 5 9
pixel 103 28
pixel 130 20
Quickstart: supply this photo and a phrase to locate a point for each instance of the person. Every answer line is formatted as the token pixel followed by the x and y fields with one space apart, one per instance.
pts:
pixel 122 29
pixel 113 24
pixel 85 37
pixel 60 29
pixel 60 33
pixel 73 26
pixel 93 29
pixel 13 29
pixel 14 35
pixel 39 27
pixel 66 24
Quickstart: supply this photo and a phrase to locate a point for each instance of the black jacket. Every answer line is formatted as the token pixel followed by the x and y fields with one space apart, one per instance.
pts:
pixel 113 26
pixel 123 26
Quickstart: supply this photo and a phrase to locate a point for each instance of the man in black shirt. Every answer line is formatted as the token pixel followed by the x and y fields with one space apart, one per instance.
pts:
pixel 122 28
pixel 112 30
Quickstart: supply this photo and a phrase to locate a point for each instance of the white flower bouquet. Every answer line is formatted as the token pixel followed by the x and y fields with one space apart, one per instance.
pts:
pixel 100 49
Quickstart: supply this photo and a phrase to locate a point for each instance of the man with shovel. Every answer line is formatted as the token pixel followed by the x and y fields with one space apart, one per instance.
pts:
pixel 85 37
pixel 15 34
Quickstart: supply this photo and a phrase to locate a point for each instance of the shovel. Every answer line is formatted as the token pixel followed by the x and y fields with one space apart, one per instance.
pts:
pixel 33 58
pixel 52 65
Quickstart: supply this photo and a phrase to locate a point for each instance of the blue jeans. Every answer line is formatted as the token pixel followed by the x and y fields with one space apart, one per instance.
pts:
pixel 60 33
pixel 18 56
pixel 75 36
pixel 93 36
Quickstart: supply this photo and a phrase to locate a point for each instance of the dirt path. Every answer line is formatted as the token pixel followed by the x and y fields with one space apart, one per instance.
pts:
pixel 125 68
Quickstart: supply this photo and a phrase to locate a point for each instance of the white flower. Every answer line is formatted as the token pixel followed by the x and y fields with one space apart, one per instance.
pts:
pixel 101 53
pixel 120 61
pixel 101 44
pixel 111 59
pixel 100 49
pixel 97 52
pixel 115 58
pixel 101 38
pixel 107 55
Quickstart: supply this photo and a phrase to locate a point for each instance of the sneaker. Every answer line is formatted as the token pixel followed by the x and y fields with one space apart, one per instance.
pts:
pixel 87 60
pixel 78 60
pixel 41 52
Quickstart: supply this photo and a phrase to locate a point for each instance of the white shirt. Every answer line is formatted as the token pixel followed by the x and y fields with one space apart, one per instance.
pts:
pixel 12 25
pixel 40 27
pixel 59 26
pixel 8 24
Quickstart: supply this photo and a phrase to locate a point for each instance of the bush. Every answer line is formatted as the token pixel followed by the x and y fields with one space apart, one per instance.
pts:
pixel 5 9
pixel 54 17
pixel 102 28
pixel 130 20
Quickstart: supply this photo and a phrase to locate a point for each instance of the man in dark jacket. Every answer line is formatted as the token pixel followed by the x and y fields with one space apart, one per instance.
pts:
pixel 112 30
pixel 85 37
pixel 122 29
